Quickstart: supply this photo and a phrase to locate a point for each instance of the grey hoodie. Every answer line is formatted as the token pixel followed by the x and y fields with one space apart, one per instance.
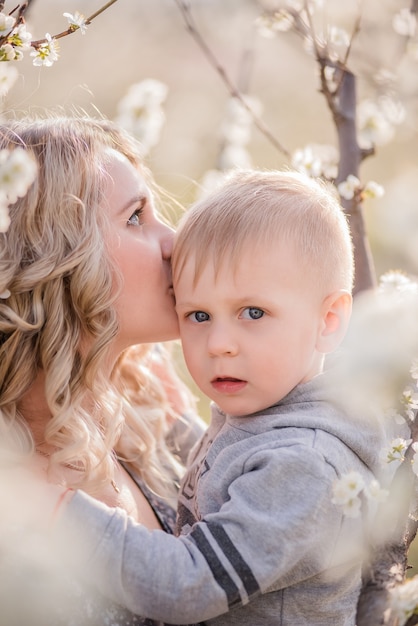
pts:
pixel 261 542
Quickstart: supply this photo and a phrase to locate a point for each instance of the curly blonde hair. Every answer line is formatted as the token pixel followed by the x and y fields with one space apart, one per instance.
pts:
pixel 54 263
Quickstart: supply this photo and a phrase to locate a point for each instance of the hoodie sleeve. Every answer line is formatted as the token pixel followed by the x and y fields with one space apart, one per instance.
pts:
pixel 277 528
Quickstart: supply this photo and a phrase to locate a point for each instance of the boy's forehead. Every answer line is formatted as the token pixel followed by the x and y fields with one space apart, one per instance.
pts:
pixel 247 259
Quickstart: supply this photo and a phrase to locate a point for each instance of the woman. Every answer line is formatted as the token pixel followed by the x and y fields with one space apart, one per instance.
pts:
pixel 85 274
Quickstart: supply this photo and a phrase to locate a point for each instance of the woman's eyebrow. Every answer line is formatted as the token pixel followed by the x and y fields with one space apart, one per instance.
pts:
pixel 139 199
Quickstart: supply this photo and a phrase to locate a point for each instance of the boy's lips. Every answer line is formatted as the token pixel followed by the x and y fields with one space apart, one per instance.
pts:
pixel 228 385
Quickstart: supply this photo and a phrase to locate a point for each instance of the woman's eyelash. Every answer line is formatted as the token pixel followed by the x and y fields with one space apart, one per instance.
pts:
pixel 135 219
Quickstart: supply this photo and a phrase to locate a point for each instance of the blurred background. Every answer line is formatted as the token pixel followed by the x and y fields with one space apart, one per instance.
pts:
pixel 136 40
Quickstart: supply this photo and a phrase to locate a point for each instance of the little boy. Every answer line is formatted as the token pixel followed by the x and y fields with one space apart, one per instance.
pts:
pixel 263 272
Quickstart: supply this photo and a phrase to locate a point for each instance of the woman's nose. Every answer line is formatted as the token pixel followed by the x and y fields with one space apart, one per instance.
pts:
pixel 167 239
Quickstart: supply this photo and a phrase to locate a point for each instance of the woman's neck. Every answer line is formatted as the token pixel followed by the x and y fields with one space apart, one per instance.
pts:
pixel 34 408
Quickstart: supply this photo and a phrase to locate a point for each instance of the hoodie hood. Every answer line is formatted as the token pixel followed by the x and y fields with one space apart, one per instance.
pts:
pixel 320 404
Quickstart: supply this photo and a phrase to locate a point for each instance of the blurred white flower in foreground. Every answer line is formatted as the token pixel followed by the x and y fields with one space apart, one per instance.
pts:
pixel 17 172
pixel 347 490
pixel 8 77
pixel 404 600
pixel 405 22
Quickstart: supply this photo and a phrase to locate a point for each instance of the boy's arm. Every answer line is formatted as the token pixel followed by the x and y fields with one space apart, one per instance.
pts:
pixel 278 525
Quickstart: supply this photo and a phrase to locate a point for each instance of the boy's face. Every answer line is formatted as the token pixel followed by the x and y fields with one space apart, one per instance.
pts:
pixel 249 335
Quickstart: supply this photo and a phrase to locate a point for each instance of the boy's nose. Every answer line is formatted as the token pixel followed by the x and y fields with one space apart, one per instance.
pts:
pixel 221 341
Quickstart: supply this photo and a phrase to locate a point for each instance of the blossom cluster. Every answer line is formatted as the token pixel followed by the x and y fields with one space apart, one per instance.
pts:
pixel 404 600
pixel 348 489
pixel 352 187
pixel 15 39
pixel 234 135
pixel 17 172
pixel 141 112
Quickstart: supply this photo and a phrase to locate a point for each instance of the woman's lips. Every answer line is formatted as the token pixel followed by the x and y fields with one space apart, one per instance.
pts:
pixel 228 385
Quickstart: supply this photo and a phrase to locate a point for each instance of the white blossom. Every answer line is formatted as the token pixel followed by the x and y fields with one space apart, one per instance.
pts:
pixel 348 187
pixel 306 162
pixel 7 22
pixel 395 281
pixel 374 126
pixel 392 109
pixel 338 42
pixel 346 491
pixel 76 21
pixel 338 36
pixel 17 172
pixel 330 76
pixel 347 487
pixel 404 600
pixel 375 492
pixel 7 52
pixel 404 23
pixel 47 52
pixel 140 111
pixel 327 156
pixel 8 76
pixel 410 402
pixel 396 451
pixel 20 38
pixel 372 190
pixel 269 25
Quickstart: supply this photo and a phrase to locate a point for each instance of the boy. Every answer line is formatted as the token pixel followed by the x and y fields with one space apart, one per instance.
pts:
pixel 263 272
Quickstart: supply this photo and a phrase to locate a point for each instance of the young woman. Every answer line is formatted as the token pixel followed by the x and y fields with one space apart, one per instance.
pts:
pixel 84 275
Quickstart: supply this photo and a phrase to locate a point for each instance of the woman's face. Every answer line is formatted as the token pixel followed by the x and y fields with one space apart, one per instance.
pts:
pixel 140 245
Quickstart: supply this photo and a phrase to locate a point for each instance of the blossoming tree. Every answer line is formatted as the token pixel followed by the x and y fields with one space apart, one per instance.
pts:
pixel 360 127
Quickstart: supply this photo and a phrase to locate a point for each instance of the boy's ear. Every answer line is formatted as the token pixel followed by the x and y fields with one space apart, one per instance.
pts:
pixel 336 313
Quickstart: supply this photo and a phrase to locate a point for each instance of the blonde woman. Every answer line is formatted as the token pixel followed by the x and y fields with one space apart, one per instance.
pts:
pixel 85 275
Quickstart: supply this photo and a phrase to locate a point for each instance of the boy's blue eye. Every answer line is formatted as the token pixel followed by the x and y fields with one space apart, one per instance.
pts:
pixel 199 316
pixel 135 219
pixel 253 313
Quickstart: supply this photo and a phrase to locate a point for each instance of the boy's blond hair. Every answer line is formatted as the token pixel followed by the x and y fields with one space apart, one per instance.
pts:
pixel 254 209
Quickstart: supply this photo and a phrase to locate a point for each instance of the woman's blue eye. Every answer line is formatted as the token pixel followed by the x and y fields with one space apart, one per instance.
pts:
pixel 199 316
pixel 252 313
pixel 135 219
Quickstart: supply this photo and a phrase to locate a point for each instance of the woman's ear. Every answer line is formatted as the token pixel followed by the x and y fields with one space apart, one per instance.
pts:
pixel 336 313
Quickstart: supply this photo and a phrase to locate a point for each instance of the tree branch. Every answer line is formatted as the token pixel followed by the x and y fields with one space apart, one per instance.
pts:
pixel 232 88
pixel 70 31
pixel 388 558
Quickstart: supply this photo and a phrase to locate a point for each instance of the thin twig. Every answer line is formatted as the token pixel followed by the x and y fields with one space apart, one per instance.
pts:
pixel 71 30
pixel 232 88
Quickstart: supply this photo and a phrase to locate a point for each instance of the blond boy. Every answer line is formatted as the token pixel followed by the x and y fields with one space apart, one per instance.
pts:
pixel 263 272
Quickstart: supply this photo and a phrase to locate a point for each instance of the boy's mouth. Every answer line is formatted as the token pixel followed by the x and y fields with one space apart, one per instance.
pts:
pixel 228 384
